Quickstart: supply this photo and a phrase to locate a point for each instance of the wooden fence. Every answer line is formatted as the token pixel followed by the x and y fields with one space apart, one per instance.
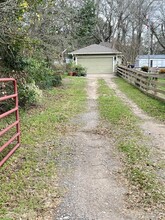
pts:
pixel 152 84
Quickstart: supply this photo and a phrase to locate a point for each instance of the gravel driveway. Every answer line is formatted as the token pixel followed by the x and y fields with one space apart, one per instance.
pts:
pixel 91 170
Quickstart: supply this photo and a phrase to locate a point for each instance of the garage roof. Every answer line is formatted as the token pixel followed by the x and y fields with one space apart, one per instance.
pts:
pixel 95 49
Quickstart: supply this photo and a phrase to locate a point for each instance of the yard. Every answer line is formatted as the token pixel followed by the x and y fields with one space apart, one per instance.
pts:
pixel 87 135
pixel 32 168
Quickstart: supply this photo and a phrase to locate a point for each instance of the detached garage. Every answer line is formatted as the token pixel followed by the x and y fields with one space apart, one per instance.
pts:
pixel 97 59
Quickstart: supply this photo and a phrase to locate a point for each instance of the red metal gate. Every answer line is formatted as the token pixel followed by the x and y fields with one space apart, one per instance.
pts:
pixel 15 124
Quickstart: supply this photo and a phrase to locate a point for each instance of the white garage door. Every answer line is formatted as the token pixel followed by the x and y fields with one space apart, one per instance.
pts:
pixel 96 64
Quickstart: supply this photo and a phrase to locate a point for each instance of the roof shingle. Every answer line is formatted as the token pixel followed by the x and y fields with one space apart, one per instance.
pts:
pixel 95 49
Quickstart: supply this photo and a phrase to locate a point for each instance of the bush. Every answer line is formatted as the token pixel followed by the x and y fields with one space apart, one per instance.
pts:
pixel 11 53
pixel 43 75
pixel 81 71
pixel 59 68
pixel 162 71
pixel 69 67
pixel 39 72
pixel 36 75
pixel 77 70
pixel 144 68
pixel 56 79
pixel 29 94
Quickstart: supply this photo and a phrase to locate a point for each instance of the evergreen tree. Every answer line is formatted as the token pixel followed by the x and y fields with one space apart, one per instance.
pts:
pixel 86 23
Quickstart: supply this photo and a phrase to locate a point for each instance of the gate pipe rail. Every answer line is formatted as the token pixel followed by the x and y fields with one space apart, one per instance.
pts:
pixel 16 124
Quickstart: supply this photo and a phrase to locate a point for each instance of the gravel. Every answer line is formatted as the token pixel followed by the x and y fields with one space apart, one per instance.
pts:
pixel 90 171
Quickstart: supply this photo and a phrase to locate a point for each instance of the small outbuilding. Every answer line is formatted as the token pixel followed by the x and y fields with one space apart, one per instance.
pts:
pixel 151 60
pixel 97 59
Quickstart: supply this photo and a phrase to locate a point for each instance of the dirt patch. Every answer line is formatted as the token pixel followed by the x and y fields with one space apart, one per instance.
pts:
pixel 90 169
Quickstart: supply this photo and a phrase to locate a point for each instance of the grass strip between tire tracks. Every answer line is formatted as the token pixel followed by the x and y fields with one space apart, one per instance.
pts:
pixel 153 107
pixel 28 179
pixel 129 140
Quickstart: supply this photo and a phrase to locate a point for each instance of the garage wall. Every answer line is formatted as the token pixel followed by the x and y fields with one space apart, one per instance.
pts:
pixel 96 64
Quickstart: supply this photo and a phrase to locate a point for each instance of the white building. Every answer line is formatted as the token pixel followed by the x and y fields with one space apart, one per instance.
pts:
pixel 152 60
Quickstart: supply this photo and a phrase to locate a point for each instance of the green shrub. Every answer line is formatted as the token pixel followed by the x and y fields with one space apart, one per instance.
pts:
pixel 59 68
pixel 29 94
pixel 39 72
pixel 144 68
pixel 6 106
pixel 81 71
pixel 36 75
pixel 43 75
pixel 11 54
pixel 56 80
pixel 69 67
pixel 78 70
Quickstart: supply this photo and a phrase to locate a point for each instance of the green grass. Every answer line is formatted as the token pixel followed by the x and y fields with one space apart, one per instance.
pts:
pixel 161 80
pixel 108 101
pixel 153 107
pixel 28 178
pixel 129 140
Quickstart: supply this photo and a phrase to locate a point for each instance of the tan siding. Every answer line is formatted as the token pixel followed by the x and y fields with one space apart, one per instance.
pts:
pixel 96 64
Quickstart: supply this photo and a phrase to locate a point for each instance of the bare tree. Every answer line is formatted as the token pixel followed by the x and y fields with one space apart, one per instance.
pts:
pixel 158 24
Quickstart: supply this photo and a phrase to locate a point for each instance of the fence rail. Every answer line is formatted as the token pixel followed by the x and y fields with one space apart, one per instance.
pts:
pixel 152 84
pixel 16 124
